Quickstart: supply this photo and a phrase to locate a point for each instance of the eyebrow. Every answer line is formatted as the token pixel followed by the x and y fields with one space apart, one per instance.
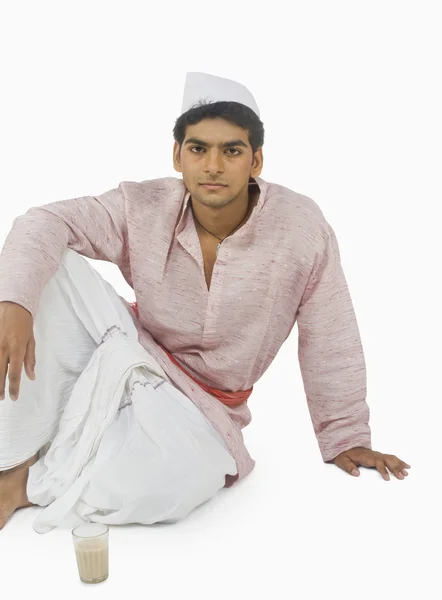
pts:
pixel 225 145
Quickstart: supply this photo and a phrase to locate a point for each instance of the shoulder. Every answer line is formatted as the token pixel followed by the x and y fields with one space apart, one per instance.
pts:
pixel 298 212
pixel 150 189
pixel 294 204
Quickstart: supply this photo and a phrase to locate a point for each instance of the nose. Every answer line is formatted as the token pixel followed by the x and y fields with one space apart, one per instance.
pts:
pixel 214 162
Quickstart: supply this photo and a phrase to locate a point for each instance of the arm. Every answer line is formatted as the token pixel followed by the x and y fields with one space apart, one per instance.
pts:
pixel 331 356
pixel 93 226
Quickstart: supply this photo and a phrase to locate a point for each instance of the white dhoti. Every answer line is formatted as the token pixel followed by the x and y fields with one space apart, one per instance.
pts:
pixel 117 442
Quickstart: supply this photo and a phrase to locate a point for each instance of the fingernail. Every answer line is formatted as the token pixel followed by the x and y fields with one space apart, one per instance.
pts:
pixel 355 472
pixel 13 397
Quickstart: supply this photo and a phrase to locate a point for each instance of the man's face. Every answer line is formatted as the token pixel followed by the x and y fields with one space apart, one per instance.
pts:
pixel 217 151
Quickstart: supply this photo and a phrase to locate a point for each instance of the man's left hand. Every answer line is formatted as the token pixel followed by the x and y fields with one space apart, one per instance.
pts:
pixel 351 459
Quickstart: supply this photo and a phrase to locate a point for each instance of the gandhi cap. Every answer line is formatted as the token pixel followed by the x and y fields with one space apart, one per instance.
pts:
pixel 203 86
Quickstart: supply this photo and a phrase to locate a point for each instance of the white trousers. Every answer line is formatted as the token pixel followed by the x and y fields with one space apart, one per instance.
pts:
pixel 117 442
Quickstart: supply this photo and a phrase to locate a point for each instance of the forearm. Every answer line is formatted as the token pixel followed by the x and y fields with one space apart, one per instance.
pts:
pixel 30 256
pixel 94 227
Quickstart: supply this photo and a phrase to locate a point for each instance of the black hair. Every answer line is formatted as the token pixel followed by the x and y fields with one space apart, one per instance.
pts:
pixel 234 112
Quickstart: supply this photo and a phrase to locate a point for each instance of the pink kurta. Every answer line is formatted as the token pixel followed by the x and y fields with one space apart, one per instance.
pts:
pixel 281 267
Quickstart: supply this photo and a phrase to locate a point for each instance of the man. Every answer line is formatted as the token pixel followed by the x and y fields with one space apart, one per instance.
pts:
pixel 222 264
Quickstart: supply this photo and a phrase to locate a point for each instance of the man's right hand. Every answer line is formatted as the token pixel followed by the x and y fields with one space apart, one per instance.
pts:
pixel 17 347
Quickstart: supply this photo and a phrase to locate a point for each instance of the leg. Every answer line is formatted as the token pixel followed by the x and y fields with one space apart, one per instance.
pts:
pixel 66 334
pixel 13 490
pixel 159 461
pixel 156 459
pixel 63 349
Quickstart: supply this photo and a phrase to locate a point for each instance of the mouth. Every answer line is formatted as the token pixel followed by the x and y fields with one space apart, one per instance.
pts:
pixel 210 186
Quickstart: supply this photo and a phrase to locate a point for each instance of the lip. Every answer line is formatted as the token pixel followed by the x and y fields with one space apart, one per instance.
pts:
pixel 212 187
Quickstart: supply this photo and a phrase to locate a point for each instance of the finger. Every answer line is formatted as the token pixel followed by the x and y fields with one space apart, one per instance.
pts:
pixel 396 466
pixel 380 466
pixel 29 362
pixel 15 367
pixel 403 464
pixel 346 464
pixel 3 373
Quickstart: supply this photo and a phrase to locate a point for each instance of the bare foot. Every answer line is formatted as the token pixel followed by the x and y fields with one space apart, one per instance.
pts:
pixel 13 490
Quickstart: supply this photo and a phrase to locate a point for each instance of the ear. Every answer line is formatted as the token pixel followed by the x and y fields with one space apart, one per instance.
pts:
pixel 176 157
pixel 258 161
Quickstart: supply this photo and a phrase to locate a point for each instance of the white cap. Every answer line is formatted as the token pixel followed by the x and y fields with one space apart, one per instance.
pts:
pixel 202 86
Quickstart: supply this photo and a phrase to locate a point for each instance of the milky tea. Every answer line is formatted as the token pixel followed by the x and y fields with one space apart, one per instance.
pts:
pixel 92 552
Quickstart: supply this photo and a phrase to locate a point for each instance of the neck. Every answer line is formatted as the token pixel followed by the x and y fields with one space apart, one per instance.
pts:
pixel 222 222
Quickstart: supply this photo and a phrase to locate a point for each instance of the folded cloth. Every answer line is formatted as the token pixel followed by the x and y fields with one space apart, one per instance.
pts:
pixel 130 448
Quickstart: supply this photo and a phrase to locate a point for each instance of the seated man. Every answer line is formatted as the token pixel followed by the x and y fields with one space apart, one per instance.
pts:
pixel 133 413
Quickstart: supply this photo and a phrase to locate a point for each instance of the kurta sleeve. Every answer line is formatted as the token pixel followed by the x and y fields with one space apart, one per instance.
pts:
pixel 330 355
pixel 93 226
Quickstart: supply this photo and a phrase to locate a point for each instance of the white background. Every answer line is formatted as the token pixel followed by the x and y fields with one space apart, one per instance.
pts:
pixel 350 97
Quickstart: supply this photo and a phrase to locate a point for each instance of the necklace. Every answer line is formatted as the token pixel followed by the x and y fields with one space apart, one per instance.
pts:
pixel 218 245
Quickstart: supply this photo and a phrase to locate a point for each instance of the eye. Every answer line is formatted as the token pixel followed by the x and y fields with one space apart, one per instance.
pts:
pixel 234 150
